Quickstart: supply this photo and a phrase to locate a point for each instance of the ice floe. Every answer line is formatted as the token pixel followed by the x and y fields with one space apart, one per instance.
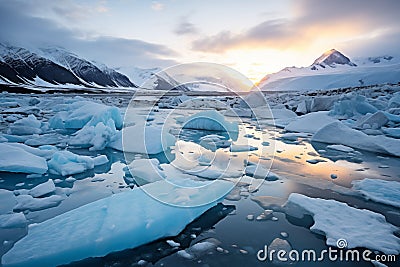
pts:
pixel 310 123
pixel 80 113
pixel 27 202
pixel 124 220
pixel 43 189
pixel 338 133
pixel 138 139
pixel 25 126
pixel 14 158
pixel 66 163
pixel 13 220
pixel 382 191
pixel 209 120
pixel 337 220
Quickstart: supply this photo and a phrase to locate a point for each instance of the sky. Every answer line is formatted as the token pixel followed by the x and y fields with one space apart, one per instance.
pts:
pixel 254 37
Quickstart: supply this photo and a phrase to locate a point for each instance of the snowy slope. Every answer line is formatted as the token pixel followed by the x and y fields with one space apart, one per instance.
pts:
pixel 153 78
pixel 53 66
pixel 334 70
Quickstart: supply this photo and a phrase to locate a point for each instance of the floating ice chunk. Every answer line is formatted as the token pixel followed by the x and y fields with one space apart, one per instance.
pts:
pixel 213 142
pixel 294 136
pixel 100 160
pixel 310 123
pixel 146 170
pixel 374 121
pixel 279 244
pixel 190 158
pixel 259 172
pixel 27 202
pixel 25 126
pixel 386 192
pixel 199 249
pixel 13 158
pixel 337 220
pixel 13 220
pixel 210 120
pixel 46 139
pixel 43 189
pixel 315 161
pixel 81 113
pixel 96 137
pixel 7 200
pixel 173 244
pixel 341 148
pixel 242 148
pixel 392 132
pixel 125 220
pixel 338 133
pixel 394 102
pixel 66 163
pixel 322 103
pixel 349 107
pixel 138 139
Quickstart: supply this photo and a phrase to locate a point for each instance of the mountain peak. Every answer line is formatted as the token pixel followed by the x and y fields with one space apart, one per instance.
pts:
pixel 332 58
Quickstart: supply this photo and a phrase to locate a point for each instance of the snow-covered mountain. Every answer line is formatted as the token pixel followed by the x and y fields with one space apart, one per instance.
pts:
pixel 153 78
pixel 334 70
pixel 55 66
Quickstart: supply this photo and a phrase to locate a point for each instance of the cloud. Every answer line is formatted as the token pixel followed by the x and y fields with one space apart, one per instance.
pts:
pixel 31 32
pixel 312 21
pixel 157 6
pixel 185 27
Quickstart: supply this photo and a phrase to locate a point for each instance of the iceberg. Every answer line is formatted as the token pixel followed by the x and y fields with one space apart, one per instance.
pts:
pixel 43 189
pixel 146 170
pixel 78 114
pixel 67 163
pixel 27 202
pixel 210 120
pixel 310 123
pixel 125 220
pixel 374 121
pixel 386 192
pixel 341 148
pixel 260 172
pixel 26 126
pixel 348 108
pixel 337 220
pixel 14 158
pixel 338 133
pixel 191 158
pixel 96 137
pixel 13 220
pixel 392 132
pixel 145 140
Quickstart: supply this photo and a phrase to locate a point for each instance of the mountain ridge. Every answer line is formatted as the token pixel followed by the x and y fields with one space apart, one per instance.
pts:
pixel 334 70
